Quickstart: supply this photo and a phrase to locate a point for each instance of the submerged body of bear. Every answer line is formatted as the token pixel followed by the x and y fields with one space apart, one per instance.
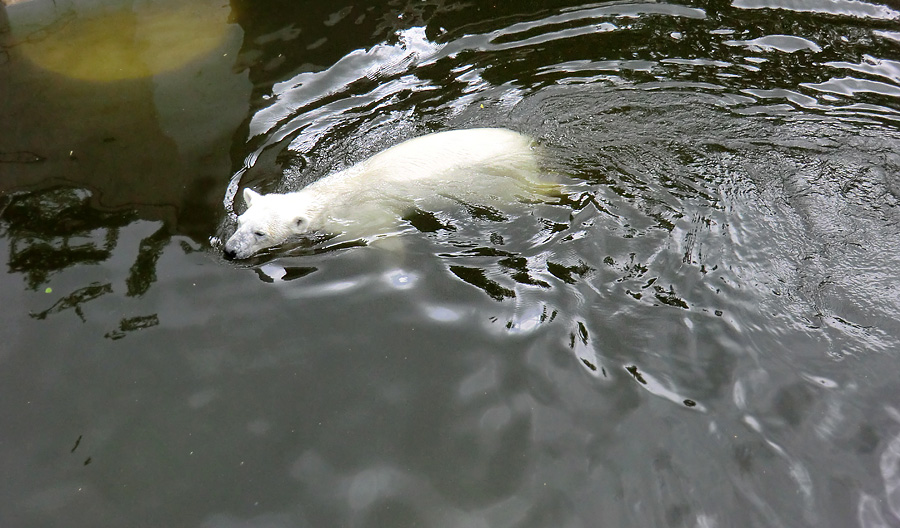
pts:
pixel 478 166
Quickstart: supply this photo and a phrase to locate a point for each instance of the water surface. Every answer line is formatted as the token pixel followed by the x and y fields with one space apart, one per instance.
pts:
pixel 701 331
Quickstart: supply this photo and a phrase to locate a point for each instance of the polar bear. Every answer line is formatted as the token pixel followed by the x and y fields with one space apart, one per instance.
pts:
pixel 481 166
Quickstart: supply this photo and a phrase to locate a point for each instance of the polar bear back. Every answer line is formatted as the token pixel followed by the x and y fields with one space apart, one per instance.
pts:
pixel 481 166
pixel 453 154
pixel 444 158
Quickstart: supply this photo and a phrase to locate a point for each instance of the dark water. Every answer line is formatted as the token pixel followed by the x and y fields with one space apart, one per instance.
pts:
pixel 703 332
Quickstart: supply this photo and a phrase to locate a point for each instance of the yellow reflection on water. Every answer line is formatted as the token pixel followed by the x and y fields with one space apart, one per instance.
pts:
pixel 128 40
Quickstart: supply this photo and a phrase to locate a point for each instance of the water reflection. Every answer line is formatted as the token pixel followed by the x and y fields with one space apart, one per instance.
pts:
pixel 116 39
pixel 701 331
pixel 890 473
pixel 133 141
pixel 52 230
pixel 75 299
pixel 852 8
pixel 132 324
pixel 57 229
pixel 109 140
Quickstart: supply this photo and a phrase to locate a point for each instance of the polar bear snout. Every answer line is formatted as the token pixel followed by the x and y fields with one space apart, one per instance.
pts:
pixel 245 243
pixel 252 237
pixel 230 253
pixel 233 249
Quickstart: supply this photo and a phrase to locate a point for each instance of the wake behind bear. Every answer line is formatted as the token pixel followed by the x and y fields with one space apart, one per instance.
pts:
pixel 482 166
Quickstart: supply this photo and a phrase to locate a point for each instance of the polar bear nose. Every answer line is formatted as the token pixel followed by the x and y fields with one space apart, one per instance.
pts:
pixel 231 250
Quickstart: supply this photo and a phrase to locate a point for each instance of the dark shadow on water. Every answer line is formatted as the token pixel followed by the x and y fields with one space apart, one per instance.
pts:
pixel 75 299
pixel 143 272
pixel 131 324
pixel 476 277
pixel 51 230
pixel 56 229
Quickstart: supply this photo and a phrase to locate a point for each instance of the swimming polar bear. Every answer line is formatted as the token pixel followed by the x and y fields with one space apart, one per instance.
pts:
pixel 482 165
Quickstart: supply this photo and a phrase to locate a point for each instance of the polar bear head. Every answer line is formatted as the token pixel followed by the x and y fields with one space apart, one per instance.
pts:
pixel 268 221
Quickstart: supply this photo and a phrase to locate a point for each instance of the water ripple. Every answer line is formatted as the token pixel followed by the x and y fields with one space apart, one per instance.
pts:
pixel 722 242
pixel 851 8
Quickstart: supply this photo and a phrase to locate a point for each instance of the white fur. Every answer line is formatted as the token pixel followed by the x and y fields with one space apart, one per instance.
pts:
pixel 474 165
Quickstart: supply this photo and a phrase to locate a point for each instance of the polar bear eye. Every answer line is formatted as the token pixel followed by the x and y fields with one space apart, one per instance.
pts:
pixel 259 234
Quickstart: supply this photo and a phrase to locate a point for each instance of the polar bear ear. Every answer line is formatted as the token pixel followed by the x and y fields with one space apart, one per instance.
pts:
pixel 249 196
pixel 301 224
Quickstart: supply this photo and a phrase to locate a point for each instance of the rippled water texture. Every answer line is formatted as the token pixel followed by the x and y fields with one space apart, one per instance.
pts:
pixel 701 330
